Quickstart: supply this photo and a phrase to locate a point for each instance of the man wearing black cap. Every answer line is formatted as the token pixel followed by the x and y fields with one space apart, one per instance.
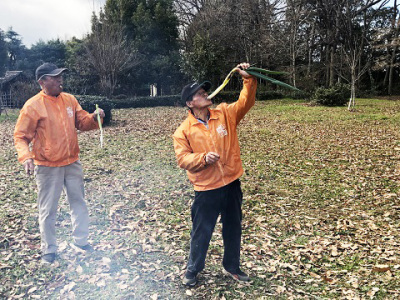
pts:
pixel 48 122
pixel 207 147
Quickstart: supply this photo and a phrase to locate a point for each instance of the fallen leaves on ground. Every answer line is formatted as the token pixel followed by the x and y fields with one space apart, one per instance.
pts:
pixel 321 210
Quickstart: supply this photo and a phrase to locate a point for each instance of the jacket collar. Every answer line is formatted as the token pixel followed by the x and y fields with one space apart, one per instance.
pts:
pixel 49 97
pixel 193 120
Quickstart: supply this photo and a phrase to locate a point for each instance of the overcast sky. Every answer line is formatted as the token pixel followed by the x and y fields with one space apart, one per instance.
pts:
pixel 48 19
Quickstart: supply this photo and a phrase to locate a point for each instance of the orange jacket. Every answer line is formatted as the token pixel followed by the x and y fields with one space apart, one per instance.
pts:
pixel 50 123
pixel 192 141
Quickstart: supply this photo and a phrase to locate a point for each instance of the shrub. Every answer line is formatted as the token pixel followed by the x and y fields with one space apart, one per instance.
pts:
pixel 336 95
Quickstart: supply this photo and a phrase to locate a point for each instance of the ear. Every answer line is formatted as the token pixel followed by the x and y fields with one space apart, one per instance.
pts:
pixel 40 82
pixel 189 104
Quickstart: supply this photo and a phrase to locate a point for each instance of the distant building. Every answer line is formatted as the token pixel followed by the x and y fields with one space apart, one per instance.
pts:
pixel 8 98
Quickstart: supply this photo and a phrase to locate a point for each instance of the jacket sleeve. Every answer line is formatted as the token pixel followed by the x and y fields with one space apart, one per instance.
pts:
pixel 246 100
pixel 192 162
pixel 84 121
pixel 24 132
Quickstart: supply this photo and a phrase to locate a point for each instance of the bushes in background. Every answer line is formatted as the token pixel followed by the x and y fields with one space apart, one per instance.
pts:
pixel 337 95
pixel 170 100
pixel 88 103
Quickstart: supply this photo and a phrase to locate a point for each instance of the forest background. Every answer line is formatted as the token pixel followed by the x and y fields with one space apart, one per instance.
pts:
pixel 137 43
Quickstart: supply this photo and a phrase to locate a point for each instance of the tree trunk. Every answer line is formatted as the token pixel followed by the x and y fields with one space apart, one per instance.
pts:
pixel 293 59
pixel 327 59
pixel 395 28
pixel 352 102
pixel 332 67
pixel 310 50
pixel 391 70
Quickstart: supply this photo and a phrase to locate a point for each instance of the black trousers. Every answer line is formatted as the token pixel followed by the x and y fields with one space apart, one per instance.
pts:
pixel 206 208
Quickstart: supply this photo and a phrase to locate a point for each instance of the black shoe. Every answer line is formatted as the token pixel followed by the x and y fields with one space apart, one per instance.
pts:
pixel 189 279
pixel 238 275
pixel 48 258
pixel 86 248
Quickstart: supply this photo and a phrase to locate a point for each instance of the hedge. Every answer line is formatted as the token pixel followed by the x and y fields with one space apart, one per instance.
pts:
pixel 148 101
pixel 88 103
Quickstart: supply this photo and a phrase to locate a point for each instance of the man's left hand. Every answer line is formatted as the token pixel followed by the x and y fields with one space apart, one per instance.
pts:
pixel 99 112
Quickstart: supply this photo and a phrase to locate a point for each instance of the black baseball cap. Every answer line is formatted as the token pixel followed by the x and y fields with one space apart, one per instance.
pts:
pixel 189 90
pixel 48 69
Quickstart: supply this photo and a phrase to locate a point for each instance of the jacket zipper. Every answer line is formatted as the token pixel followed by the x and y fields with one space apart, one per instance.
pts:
pixel 218 162
pixel 65 131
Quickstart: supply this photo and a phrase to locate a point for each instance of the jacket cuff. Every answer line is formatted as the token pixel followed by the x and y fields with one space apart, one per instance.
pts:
pixel 204 160
pixel 250 80
pixel 24 158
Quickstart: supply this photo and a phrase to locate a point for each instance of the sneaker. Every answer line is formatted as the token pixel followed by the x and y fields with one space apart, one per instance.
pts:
pixel 48 258
pixel 189 279
pixel 238 275
pixel 86 248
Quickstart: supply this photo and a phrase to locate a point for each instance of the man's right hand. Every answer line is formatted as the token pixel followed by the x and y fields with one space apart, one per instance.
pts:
pixel 29 166
pixel 241 69
pixel 211 157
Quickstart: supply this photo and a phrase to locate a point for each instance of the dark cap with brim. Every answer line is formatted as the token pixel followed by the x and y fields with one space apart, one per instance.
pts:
pixel 48 69
pixel 189 90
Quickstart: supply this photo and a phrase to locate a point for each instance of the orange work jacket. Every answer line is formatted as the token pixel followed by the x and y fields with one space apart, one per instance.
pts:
pixel 50 124
pixel 192 141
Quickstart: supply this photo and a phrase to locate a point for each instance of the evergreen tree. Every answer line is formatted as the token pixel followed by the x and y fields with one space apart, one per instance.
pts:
pixel 15 49
pixel 53 51
pixel 152 29
pixel 156 39
pixel 3 53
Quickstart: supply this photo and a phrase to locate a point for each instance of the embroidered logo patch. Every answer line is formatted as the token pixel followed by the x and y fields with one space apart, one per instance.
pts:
pixel 222 130
pixel 70 112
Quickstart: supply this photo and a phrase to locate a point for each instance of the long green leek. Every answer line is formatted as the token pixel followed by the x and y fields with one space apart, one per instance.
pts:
pixel 259 73
pixel 227 78
pixel 100 126
pixel 262 76
pixel 255 69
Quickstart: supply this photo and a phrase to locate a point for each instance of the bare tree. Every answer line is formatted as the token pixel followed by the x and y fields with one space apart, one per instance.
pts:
pixel 393 46
pixel 235 31
pixel 297 17
pixel 110 54
pixel 355 24
pixel 188 9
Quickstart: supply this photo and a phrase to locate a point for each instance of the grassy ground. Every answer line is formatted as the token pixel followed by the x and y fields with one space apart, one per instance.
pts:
pixel 321 210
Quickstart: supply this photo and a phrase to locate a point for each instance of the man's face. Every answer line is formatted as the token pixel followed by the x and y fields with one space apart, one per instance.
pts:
pixel 52 85
pixel 200 100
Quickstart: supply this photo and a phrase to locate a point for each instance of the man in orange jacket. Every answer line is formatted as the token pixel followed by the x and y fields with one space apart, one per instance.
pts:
pixel 207 147
pixel 48 121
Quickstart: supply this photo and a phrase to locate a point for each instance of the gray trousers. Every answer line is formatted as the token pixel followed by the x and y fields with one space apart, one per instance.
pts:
pixel 50 182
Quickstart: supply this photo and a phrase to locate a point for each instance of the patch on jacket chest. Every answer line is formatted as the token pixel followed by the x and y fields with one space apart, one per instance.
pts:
pixel 222 130
pixel 70 112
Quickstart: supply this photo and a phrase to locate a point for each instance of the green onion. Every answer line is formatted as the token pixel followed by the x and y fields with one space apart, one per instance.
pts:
pixel 266 71
pixel 100 126
pixel 262 76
